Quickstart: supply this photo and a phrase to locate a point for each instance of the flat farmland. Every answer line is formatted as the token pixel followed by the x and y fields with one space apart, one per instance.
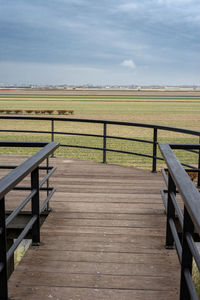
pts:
pixel 172 108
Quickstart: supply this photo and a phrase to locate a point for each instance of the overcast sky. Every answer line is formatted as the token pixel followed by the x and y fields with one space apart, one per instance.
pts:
pixel 100 42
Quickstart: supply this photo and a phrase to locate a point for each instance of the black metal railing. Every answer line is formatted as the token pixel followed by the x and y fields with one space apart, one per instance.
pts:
pixel 178 182
pixel 10 182
pixel 183 223
pixel 53 133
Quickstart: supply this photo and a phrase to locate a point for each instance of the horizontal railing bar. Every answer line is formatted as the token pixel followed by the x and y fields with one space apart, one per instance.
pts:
pixel 163 171
pixel 45 168
pixel 190 284
pixel 188 166
pixel 78 134
pixel 128 152
pixel 185 146
pixel 192 170
pixel 8 167
pixel 192 151
pixel 110 150
pixel 101 136
pixel 129 139
pixel 193 249
pixel 9 181
pixel 20 207
pixel 25 131
pixel 13 167
pixel 22 144
pixel 47 177
pixel 187 189
pixel 21 237
pixel 167 128
pixel 47 200
pixel 177 208
pixel 176 239
pixel 28 188
pixel 22 188
pixel 164 200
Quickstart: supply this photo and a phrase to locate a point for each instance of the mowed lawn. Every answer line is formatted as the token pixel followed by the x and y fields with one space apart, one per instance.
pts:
pixel 171 110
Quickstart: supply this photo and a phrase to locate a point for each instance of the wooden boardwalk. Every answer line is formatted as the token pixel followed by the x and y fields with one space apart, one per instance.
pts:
pixel 104 239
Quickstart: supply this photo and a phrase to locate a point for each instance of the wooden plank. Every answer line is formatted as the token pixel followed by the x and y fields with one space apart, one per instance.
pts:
pixel 112 257
pixel 111 197
pixel 97 268
pixel 140 221
pixel 100 246
pixel 59 279
pixel 108 207
pixel 48 292
pixel 104 238
pixel 105 230
pixel 105 216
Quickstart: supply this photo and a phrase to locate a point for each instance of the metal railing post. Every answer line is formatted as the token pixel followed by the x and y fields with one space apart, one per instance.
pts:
pixel 35 207
pixel 47 165
pixel 198 178
pixel 52 134
pixel 186 262
pixel 170 213
pixel 104 142
pixel 3 253
pixel 155 138
pixel 52 130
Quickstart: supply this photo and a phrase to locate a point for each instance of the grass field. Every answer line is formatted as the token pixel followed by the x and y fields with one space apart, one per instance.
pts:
pixel 171 109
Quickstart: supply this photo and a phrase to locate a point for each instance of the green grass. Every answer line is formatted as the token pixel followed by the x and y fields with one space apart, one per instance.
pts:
pixel 196 278
pixel 97 155
pixel 175 111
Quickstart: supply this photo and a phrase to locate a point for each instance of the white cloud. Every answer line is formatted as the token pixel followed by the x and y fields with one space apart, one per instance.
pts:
pixel 128 63
pixel 127 7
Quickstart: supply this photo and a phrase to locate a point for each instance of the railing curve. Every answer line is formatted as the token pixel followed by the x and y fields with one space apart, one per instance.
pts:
pixel 104 136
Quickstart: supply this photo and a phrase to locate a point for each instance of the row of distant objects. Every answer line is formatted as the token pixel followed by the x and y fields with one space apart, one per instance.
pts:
pixel 38 112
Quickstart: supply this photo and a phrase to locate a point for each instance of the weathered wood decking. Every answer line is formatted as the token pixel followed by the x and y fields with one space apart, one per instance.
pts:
pixel 104 239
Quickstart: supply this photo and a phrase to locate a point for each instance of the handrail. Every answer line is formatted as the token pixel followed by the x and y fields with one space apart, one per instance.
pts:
pixel 185 186
pixel 104 136
pixel 144 125
pixel 8 183
pixel 17 174
pixel 189 219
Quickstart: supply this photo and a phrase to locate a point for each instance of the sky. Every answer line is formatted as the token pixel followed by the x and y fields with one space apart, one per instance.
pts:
pixel 105 42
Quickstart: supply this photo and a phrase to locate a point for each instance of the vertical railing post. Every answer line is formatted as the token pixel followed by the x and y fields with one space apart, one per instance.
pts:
pixel 186 262
pixel 47 165
pixel 155 138
pixel 170 213
pixel 52 130
pixel 3 254
pixel 35 207
pixel 52 134
pixel 198 178
pixel 104 142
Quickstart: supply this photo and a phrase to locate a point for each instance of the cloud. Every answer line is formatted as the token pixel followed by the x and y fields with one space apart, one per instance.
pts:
pixel 127 7
pixel 128 63
pixel 99 34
